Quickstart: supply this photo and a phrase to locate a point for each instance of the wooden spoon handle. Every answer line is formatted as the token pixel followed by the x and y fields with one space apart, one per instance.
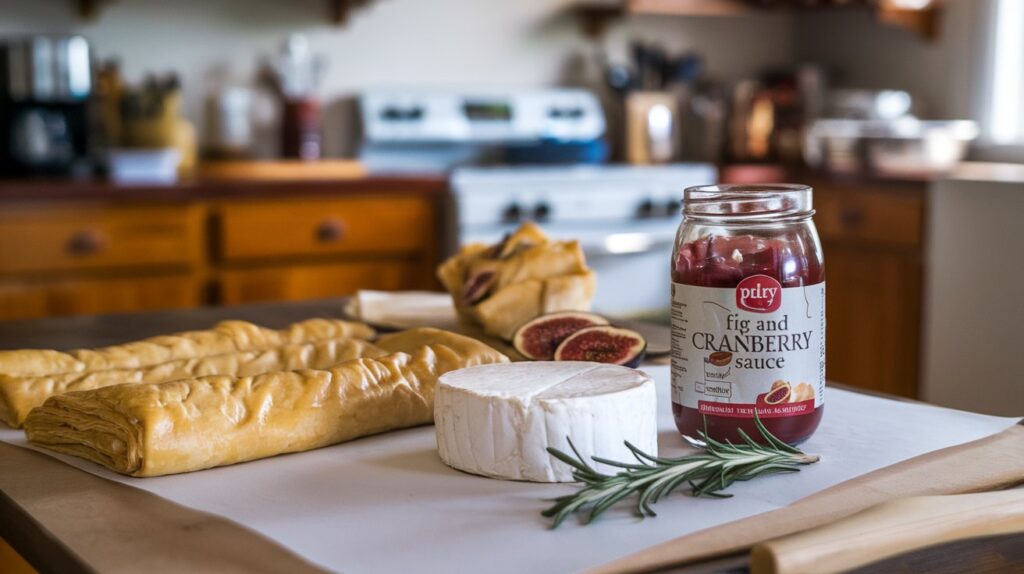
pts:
pixel 889 529
pixel 991 463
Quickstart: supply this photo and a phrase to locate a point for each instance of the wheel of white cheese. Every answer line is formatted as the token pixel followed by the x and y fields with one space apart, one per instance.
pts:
pixel 498 420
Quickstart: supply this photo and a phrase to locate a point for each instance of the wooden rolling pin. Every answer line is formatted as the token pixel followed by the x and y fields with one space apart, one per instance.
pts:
pixel 889 529
pixel 991 463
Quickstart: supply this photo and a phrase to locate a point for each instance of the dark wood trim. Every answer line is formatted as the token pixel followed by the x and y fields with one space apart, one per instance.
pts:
pixel 48 190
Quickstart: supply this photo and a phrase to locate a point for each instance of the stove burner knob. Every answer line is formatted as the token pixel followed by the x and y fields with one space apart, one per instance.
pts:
pixel 645 209
pixel 541 212
pixel 512 214
pixel 673 207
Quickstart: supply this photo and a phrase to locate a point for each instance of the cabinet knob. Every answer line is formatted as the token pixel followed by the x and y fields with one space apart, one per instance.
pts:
pixel 512 213
pixel 645 209
pixel 87 242
pixel 330 230
pixel 542 212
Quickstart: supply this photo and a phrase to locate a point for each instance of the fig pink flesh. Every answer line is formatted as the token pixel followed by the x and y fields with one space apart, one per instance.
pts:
pixel 539 341
pixel 601 345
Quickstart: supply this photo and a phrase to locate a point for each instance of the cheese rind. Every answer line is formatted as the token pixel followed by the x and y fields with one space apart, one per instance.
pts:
pixel 498 420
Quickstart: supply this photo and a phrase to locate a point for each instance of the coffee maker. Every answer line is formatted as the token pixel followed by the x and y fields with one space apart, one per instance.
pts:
pixel 46 86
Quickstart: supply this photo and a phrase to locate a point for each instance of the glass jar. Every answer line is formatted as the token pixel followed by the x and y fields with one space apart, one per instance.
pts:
pixel 748 313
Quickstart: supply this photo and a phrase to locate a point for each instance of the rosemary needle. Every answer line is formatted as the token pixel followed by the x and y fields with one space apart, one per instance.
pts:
pixel 707 473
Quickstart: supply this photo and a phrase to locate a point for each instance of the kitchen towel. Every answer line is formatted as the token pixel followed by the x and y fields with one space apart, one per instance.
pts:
pixel 403 309
pixel 387 503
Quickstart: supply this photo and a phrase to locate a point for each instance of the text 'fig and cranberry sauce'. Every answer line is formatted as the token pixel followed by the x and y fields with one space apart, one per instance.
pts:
pixel 748 313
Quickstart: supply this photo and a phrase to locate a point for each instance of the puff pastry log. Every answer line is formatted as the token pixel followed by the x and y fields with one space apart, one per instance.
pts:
pixel 187 425
pixel 225 337
pixel 19 395
pixel 525 275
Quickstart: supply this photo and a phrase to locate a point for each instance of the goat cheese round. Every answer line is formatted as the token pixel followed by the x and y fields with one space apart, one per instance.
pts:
pixel 498 420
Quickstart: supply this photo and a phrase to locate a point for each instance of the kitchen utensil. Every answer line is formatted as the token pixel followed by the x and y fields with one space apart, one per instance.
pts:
pixel 703 124
pixel 990 463
pixel 299 72
pixel 869 104
pixel 889 529
pixel 45 87
pixel 905 147
pixel 651 130
pixel 150 112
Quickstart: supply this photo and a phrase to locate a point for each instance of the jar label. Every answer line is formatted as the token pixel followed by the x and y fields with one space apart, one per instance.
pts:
pixel 756 345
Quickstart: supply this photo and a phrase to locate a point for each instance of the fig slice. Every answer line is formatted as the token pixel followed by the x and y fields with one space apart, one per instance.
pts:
pixel 603 344
pixel 778 394
pixel 538 338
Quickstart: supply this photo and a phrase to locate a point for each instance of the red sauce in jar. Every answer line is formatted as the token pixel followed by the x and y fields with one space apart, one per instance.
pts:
pixel 740 343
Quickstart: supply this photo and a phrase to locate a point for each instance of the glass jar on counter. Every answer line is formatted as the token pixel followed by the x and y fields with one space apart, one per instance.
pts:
pixel 748 313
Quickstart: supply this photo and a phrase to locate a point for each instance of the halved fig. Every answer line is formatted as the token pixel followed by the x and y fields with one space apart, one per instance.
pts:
pixel 603 344
pixel 778 394
pixel 538 338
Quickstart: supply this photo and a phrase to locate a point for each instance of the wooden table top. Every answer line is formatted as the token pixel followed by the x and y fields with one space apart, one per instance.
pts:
pixel 65 520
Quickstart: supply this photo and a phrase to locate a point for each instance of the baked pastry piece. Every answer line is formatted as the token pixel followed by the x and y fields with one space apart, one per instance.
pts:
pixel 19 395
pixel 224 337
pixel 527 274
pixel 192 424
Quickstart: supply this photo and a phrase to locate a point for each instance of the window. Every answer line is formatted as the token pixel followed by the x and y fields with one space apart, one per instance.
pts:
pixel 1005 101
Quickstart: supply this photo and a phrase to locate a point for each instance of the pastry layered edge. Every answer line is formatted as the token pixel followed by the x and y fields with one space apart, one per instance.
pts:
pixel 19 395
pixel 182 426
pixel 224 337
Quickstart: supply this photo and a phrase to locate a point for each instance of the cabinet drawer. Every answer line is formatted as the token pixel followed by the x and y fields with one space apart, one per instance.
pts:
pixel 29 300
pixel 857 215
pixel 296 283
pixel 269 229
pixel 55 238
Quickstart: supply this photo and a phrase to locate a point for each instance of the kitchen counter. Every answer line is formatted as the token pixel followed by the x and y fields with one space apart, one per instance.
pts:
pixel 36 190
pixel 66 520
pixel 987 172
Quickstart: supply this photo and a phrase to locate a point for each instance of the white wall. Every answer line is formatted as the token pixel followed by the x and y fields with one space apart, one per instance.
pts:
pixel 392 42
pixel 939 73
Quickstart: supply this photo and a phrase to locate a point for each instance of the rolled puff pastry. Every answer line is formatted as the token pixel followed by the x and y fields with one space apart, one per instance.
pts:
pixel 224 337
pixel 19 395
pixel 531 274
pixel 187 425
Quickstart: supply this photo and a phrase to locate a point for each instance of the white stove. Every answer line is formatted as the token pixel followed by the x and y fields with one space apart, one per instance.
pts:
pixel 624 216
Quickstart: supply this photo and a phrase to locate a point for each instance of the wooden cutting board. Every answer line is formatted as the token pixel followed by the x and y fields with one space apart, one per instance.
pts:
pixel 281 170
pixel 992 463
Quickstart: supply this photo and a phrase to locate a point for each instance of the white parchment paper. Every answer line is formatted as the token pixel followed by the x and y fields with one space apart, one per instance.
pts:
pixel 388 504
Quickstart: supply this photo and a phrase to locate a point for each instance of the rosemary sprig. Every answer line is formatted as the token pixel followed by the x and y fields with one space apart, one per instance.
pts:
pixel 707 473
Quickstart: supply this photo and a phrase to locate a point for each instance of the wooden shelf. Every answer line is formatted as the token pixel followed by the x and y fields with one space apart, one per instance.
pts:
pixel 339 11
pixel 595 15
pixel 691 7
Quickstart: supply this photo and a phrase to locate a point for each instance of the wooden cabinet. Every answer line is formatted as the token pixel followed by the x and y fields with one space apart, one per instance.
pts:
pixel 291 249
pixel 86 296
pixel 45 238
pixel 298 282
pixel 308 228
pixel 87 257
pixel 872 235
